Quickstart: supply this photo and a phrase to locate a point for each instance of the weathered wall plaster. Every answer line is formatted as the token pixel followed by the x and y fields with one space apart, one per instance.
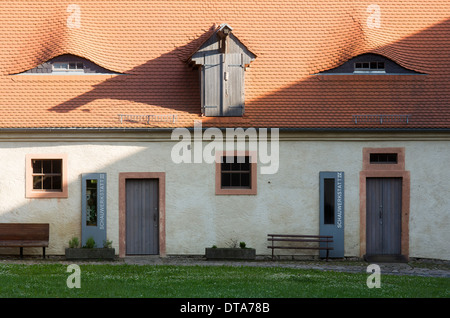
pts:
pixel 286 202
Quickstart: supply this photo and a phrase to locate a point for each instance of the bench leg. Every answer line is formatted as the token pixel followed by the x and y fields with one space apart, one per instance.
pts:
pixel 43 252
pixel 21 252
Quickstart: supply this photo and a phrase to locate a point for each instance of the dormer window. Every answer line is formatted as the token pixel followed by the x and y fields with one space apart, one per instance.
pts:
pixel 68 67
pixel 222 60
pixel 68 64
pixel 373 66
pixel 369 64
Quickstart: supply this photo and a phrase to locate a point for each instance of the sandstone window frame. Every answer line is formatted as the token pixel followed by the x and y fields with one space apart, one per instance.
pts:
pixel 30 192
pixel 252 189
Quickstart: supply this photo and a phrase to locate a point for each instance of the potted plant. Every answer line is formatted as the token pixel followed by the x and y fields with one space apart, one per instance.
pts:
pixel 233 252
pixel 89 250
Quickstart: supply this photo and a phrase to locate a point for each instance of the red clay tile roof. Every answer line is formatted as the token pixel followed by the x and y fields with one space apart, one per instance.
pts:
pixel 149 41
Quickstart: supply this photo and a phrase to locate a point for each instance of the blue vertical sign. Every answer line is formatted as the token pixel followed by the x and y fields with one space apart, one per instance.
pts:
pixel 331 206
pixel 93 208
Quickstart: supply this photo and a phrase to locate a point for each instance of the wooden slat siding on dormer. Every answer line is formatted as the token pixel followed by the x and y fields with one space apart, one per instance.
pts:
pixel 212 84
pixel 222 83
pixel 233 102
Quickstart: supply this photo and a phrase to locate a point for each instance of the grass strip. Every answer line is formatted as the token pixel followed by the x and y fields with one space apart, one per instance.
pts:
pixel 169 281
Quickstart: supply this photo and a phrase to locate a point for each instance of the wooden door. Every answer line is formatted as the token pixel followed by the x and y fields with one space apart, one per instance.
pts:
pixel 142 217
pixel 383 219
pixel 212 84
pixel 234 92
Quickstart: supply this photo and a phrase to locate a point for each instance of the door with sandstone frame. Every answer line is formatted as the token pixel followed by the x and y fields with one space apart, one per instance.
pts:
pixel 142 216
pixel 383 220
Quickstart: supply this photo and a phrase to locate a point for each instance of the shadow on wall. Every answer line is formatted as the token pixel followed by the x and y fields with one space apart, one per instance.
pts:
pixel 64 214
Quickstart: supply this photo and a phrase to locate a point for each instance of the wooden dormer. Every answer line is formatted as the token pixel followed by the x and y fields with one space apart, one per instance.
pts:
pixel 222 60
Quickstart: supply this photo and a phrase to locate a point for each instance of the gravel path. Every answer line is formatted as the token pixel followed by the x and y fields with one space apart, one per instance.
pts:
pixel 418 268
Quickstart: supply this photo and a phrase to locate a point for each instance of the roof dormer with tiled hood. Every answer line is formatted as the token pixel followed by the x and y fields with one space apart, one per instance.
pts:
pixel 223 60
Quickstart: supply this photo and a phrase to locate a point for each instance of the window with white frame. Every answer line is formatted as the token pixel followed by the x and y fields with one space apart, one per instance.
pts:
pixel 68 67
pixel 369 66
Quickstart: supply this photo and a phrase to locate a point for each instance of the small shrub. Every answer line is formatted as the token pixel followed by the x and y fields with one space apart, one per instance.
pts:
pixel 90 243
pixel 214 246
pixel 74 242
pixel 242 244
pixel 107 244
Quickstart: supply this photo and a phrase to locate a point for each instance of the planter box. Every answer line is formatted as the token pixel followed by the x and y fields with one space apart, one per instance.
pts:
pixel 90 253
pixel 230 253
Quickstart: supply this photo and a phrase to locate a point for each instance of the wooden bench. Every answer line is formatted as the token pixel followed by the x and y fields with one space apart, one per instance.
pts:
pixel 24 235
pixel 297 242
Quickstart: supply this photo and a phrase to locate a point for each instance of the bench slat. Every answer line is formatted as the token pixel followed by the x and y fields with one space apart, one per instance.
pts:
pixel 24 235
pixel 24 231
pixel 288 235
pixel 23 243
pixel 302 248
pixel 300 238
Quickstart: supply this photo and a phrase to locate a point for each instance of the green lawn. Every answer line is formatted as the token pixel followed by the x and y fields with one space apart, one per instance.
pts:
pixel 136 281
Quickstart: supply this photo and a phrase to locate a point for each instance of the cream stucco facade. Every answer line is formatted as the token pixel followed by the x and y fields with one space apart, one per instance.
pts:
pixel 195 217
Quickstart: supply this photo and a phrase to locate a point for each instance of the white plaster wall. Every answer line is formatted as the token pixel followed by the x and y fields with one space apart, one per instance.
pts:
pixel 287 202
pixel 429 224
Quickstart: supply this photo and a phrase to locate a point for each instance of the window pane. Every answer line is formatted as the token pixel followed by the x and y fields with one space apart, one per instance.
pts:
pixel 245 180
pixel 46 166
pixel 57 165
pixel 91 206
pixel 61 66
pixel 245 166
pixel 365 65
pixel 235 179
pixel 236 174
pixel 358 65
pixel 383 158
pixel 37 183
pixel 226 179
pixel 47 183
pixel 72 66
pixel 226 166
pixel 228 159
pixel 80 66
pixel 37 166
pixel 47 174
pixel 392 157
pixel 235 166
pixel 56 183
pixel 328 201
pixel 373 65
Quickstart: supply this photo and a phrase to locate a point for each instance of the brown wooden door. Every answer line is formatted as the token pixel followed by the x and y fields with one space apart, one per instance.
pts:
pixel 383 219
pixel 142 217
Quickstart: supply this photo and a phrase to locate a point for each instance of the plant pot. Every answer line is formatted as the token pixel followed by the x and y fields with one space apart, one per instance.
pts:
pixel 90 253
pixel 230 253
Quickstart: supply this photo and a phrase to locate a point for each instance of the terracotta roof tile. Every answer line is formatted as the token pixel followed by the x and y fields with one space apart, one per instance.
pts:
pixel 149 41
